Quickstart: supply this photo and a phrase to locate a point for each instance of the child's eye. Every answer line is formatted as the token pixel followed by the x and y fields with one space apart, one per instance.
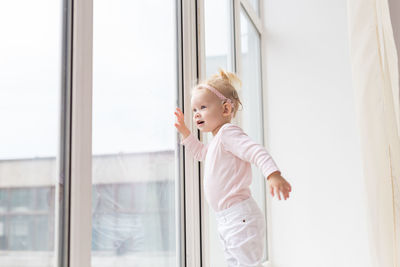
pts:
pixel 203 107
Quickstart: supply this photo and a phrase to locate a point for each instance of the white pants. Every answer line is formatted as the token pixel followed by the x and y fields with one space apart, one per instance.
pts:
pixel 241 229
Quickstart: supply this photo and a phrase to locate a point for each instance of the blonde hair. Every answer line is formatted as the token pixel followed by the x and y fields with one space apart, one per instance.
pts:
pixel 228 84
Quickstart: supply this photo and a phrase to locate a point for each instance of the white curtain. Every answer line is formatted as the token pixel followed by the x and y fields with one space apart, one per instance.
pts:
pixel 376 88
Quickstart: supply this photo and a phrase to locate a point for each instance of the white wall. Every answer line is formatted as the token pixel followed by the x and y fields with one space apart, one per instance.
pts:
pixel 313 136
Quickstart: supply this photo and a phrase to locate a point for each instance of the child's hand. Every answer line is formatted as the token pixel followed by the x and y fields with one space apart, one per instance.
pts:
pixel 278 185
pixel 180 124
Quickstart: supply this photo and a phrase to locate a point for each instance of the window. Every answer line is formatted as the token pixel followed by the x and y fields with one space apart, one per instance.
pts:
pixel 143 66
pixel 30 86
pixel 255 4
pixel 133 166
pixel 27 219
pixel 252 98
pixel 221 21
pixel 219 53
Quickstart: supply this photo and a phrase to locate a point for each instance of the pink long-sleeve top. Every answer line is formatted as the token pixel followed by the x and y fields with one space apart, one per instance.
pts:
pixel 227 170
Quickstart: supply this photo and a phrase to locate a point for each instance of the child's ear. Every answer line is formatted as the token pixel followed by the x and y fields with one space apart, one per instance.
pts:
pixel 227 109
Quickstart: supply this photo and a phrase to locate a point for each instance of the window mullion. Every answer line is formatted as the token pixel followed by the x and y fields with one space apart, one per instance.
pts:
pixel 81 135
pixel 192 179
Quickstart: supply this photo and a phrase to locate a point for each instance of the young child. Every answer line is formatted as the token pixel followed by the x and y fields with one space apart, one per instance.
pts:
pixel 227 169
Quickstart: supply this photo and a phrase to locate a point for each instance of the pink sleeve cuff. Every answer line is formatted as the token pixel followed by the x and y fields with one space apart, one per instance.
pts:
pixel 187 140
pixel 270 171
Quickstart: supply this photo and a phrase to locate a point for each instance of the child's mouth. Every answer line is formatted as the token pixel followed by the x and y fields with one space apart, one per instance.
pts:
pixel 200 122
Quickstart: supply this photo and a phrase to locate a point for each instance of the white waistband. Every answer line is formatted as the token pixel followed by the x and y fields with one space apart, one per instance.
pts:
pixel 244 206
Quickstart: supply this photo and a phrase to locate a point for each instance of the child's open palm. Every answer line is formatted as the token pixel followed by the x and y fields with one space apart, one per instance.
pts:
pixel 180 123
pixel 278 185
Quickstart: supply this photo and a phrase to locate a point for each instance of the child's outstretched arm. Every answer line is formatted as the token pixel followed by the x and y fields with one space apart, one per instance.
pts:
pixel 241 145
pixel 192 144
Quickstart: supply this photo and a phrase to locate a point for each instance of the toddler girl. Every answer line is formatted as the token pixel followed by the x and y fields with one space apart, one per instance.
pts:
pixel 227 169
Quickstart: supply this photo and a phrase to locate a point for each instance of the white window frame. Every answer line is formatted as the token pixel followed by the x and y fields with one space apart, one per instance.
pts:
pixel 192 167
pixel 76 251
pixel 81 135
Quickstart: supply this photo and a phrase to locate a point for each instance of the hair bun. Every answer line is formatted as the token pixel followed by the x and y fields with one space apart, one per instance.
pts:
pixel 223 74
pixel 232 78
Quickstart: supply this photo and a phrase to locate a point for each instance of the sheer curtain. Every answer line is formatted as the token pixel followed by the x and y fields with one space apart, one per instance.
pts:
pixel 376 85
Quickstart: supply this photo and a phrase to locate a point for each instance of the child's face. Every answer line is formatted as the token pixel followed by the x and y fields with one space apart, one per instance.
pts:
pixel 208 109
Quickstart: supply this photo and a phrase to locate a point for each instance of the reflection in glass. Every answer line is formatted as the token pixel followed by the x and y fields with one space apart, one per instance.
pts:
pixel 134 94
pixel 30 86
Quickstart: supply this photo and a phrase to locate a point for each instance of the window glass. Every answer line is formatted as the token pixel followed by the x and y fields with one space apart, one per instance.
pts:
pixel 252 98
pixel 134 140
pixel 219 46
pixel 219 51
pixel 255 4
pixel 30 85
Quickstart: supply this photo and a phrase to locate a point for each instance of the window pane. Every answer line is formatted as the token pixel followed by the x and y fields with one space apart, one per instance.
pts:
pixel 218 40
pixel 134 141
pixel 30 86
pixel 255 4
pixel 252 113
pixel 219 50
